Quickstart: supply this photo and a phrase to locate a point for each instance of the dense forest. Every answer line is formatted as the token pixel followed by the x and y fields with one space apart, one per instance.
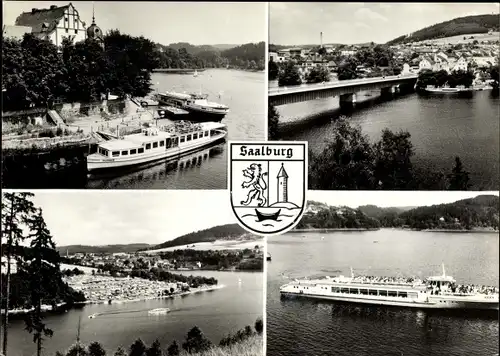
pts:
pixel 481 212
pixel 459 26
pixel 250 56
pixel 228 231
pixel 130 248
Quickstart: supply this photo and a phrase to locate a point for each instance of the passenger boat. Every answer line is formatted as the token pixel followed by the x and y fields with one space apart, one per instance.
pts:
pixel 264 216
pixel 447 90
pixel 159 311
pixel 437 292
pixel 197 105
pixel 153 144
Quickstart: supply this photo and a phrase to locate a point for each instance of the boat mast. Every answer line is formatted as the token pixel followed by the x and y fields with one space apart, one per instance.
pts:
pixel 444 274
pixel 352 272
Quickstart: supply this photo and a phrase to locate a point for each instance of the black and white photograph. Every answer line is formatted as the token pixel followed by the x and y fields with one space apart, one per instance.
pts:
pixel 386 274
pixel 141 273
pixel 129 95
pixel 390 96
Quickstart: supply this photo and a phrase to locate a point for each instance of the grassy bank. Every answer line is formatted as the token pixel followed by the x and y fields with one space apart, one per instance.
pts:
pixel 254 346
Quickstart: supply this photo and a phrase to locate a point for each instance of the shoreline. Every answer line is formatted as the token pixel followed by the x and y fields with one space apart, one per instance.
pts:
pixel 397 228
pixel 48 308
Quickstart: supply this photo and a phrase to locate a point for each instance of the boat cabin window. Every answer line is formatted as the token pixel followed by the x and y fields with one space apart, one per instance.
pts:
pixel 176 141
pixel 133 152
pixel 124 153
pixel 140 150
pixel 344 290
pixel 392 293
pixel 335 290
pixel 162 143
pixel 363 291
pixel 188 138
pixel 212 132
pixel 382 293
pixel 195 136
pixel 116 153
pixel 403 294
pixel 206 133
pixel 372 292
pixel 353 291
pixel 104 151
pixel 169 142
pixel 155 144
pixel 183 138
pixel 148 146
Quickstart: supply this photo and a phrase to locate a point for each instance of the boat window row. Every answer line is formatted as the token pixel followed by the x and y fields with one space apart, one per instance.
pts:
pixel 374 292
pixel 168 143
pixel 194 136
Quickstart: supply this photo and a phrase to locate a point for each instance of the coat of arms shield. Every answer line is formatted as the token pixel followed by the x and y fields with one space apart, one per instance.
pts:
pixel 268 183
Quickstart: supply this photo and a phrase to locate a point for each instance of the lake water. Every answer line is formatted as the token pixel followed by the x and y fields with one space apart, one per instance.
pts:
pixel 441 128
pixel 243 92
pixel 216 313
pixel 308 327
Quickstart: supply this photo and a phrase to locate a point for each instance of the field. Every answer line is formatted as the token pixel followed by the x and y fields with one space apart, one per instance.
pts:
pixel 460 39
pixel 216 245
pixel 251 347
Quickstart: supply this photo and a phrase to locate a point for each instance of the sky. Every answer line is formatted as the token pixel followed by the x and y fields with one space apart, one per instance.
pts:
pixel 384 199
pixel 351 23
pixel 166 22
pixel 93 217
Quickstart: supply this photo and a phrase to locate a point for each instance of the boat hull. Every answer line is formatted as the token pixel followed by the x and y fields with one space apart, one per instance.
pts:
pixel 433 303
pixel 96 166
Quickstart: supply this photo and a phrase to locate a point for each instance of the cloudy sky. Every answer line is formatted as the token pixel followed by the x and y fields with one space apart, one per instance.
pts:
pixel 349 23
pixel 353 199
pixel 95 217
pixel 166 22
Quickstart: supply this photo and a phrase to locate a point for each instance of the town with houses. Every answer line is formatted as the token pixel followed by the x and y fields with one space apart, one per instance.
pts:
pixel 413 57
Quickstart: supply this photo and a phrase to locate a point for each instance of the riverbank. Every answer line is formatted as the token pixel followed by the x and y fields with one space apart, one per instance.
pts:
pixel 48 308
pixel 330 230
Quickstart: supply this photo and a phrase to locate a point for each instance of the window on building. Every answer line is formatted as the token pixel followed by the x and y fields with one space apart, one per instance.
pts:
pixel 66 19
pixel 67 30
pixel 76 32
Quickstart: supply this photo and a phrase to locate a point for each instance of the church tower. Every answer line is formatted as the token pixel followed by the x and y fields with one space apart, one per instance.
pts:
pixel 282 185
pixel 94 32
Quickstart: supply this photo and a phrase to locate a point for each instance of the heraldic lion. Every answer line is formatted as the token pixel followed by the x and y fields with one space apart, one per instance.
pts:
pixel 257 184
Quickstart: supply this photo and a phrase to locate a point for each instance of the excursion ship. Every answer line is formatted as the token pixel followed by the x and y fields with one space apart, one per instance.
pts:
pixel 159 311
pixel 437 292
pixel 153 144
pixel 198 106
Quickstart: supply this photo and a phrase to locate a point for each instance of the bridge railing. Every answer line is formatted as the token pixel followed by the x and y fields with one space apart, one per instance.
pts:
pixel 338 83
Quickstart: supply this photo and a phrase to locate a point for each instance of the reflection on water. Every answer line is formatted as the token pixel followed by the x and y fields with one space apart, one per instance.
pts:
pixel 166 170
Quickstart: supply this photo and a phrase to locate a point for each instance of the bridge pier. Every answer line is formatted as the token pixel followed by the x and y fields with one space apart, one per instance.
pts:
pixel 347 101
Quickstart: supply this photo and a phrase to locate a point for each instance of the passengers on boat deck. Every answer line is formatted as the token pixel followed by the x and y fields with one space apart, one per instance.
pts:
pixel 472 288
pixel 375 279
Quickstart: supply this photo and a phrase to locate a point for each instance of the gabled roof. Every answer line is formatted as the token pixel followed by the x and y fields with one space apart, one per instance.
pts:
pixel 42 20
pixel 16 32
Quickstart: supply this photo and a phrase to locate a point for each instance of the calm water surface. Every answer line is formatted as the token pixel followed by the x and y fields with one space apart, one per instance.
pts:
pixel 441 128
pixel 217 313
pixel 308 327
pixel 243 92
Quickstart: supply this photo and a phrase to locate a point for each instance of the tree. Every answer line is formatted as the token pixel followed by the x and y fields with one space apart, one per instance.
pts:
pixel 347 69
pixel 259 326
pixel 272 122
pixel 318 75
pixel 459 178
pixel 196 341
pixel 289 76
pixel 120 352
pixel 44 274
pixel 273 70
pixel 77 350
pixel 137 348
pixel 154 349
pixel 173 349
pixel 345 163
pixel 393 168
pixel 16 209
pixel 96 349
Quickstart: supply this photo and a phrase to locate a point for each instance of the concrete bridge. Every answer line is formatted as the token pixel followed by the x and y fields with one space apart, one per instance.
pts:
pixel 345 89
